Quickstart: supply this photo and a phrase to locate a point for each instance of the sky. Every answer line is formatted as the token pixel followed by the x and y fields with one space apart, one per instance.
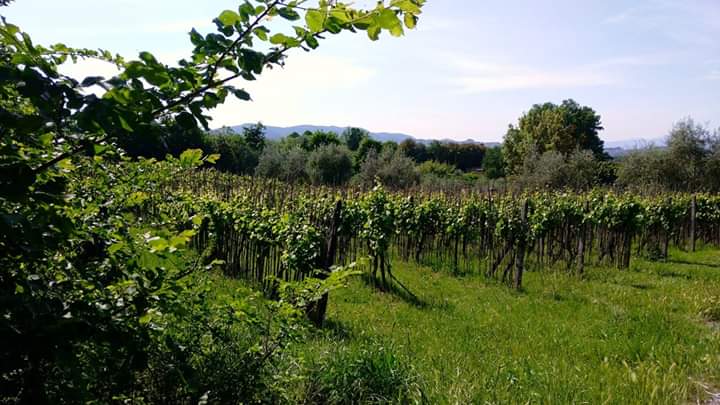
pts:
pixel 470 69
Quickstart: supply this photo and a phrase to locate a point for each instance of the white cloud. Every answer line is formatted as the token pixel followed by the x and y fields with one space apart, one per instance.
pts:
pixel 620 17
pixel 477 77
pixel 96 67
pixel 288 95
pixel 292 94
pixel 635 60
pixel 530 79
pixel 714 75
pixel 473 76
pixel 88 67
pixel 692 23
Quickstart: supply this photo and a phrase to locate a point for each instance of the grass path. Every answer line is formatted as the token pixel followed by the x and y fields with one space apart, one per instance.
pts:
pixel 644 335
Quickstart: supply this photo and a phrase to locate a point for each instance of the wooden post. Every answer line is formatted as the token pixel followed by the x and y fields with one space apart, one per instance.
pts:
pixel 520 256
pixel 581 242
pixel 693 208
pixel 316 312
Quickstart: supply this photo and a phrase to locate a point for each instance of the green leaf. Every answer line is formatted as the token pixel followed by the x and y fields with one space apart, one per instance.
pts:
pixel 229 18
pixel 315 20
pixel 191 158
pixel 99 149
pixel 115 247
pixel 373 32
pixel 148 58
pixel 241 94
pixel 124 124
pixel 91 81
pixel 246 10
pixel 157 244
pixel 186 120
pixel 288 13
pixel 312 42
pixel 212 159
pixel 46 139
pixel 278 39
pixel 410 21
pixel 407 6
pixel 252 61
pixel 261 32
pixel 388 20
pixel 196 38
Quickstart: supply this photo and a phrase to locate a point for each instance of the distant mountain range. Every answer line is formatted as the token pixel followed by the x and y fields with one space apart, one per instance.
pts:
pixel 276 133
pixel 614 148
pixel 637 143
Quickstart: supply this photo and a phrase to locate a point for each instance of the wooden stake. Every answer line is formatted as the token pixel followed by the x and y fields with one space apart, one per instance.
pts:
pixel 520 257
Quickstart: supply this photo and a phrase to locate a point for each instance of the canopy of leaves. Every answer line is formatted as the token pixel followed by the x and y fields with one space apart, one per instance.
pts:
pixel 330 165
pixel 494 163
pixel 465 156
pixel 391 168
pixel 353 136
pixel 552 170
pixel 690 161
pixel 563 128
pixel 100 304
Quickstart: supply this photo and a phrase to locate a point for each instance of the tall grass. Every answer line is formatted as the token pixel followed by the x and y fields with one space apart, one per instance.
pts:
pixel 363 372
pixel 639 336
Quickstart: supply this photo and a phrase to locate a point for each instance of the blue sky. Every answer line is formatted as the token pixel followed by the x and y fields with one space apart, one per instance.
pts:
pixel 468 70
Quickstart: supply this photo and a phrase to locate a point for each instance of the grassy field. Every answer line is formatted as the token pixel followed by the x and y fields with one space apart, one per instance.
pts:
pixel 650 334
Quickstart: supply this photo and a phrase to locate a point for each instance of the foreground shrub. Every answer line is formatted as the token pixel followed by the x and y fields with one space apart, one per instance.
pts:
pixel 369 372
pixel 223 352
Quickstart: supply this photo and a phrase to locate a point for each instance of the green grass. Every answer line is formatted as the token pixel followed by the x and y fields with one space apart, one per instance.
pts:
pixel 644 335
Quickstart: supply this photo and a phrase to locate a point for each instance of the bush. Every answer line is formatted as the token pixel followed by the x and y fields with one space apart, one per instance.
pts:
pixel 645 169
pixel 367 373
pixel 330 165
pixel 283 164
pixel 690 162
pixel 391 168
pixel 578 171
pixel 438 169
pixel 121 309
pixel 212 351
pixel 235 154
pixel 270 163
pixel 582 170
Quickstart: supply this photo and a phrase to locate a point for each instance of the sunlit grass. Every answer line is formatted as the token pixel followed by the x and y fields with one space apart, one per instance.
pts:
pixel 644 335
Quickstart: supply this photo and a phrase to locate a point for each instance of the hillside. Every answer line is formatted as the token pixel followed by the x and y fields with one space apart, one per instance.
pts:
pixel 275 133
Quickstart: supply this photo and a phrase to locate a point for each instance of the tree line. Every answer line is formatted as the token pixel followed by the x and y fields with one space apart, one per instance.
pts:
pixel 553 146
pixel 317 157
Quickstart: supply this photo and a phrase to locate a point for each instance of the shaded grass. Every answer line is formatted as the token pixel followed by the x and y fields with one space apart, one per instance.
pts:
pixel 635 336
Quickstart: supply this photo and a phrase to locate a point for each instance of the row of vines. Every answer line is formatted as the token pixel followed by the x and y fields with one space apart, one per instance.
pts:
pixel 263 229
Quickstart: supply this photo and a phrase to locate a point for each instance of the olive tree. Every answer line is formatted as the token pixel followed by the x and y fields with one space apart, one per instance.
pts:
pixel 552 170
pixel 330 165
pixel 688 163
pixel 390 167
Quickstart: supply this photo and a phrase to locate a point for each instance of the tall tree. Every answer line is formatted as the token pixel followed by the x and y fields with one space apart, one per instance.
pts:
pixel 353 136
pixel 255 136
pixel 318 139
pixel 563 128
pixel 494 163
pixel 413 150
